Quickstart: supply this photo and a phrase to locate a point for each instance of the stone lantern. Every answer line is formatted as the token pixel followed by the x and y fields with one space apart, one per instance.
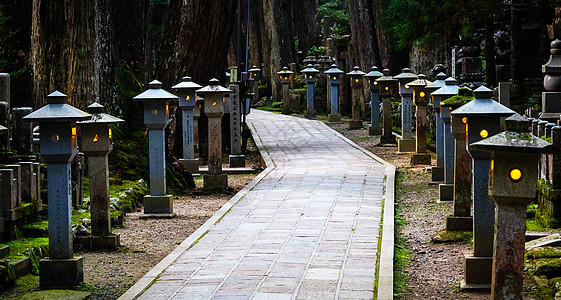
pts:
pixel 214 109
pixel 59 145
pixel 334 76
pixel 386 84
pixel 372 76
pixel 156 118
pixel 421 99
pixel 437 172
pixel 551 98
pixel 96 142
pixel 255 74
pixel 187 102
pixel 512 186
pixel 406 143
pixel 196 115
pixel 285 77
pixel 356 76
pixel 310 75
pixel 483 120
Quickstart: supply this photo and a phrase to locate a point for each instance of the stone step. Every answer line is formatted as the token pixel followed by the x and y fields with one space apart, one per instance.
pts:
pixel 4 251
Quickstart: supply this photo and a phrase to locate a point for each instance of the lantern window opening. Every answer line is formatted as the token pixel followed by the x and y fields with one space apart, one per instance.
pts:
pixel 334 78
pixel 187 98
pixel 467 131
pixel 464 119
pixel 491 169
pixel 484 133
pixel 356 80
pixel 515 174
pixel 167 110
pixel 110 134
pixel 422 94
pixel 214 103
pixel 74 138
pixel 406 86
pixel 375 82
pixel 387 88
pixel 96 138
pixel 155 112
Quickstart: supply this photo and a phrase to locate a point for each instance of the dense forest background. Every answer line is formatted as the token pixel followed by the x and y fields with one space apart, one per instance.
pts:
pixel 107 50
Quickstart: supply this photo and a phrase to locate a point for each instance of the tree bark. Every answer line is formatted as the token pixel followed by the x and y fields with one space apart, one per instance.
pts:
pixel 364 38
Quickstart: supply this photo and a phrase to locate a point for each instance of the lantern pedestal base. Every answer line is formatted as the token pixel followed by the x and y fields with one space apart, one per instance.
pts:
pixel 214 180
pixel 454 223
pixel 158 205
pixel 406 145
pixel 334 118
pixel 190 165
pixel 106 242
pixel 374 130
pixel 477 272
pixel 437 173
pixel 61 273
pixel 9 215
pixel 310 114
pixel 388 139
pixel 446 192
pixel 237 161
pixel 355 124
pixel 420 159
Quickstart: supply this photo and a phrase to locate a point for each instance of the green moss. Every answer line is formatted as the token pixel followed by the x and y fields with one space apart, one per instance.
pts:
pixel 457 101
pixel 544 252
pixel 444 236
pixel 550 267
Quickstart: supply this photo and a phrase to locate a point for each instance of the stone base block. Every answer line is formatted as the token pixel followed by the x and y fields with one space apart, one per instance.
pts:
pixel 158 204
pixel 237 161
pixel 213 180
pixel 334 118
pixel 388 139
pixel 454 223
pixel 9 215
pixel 310 114
pixel 355 124
pixel 61 273
pixel 191 165
pixel 420 159
pixel 374 130
pixel 477 272
pixel 446 192
pixel 406 145
pixel 111 242
pixel 437 173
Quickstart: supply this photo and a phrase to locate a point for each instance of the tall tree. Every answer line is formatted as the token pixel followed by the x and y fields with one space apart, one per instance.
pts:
pixel 364 37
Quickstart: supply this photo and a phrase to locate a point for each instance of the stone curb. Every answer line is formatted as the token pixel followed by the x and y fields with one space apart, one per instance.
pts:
pixel 137 289
pixel 385 267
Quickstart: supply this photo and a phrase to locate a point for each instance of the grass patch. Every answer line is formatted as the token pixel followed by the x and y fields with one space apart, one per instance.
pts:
pixel 402 255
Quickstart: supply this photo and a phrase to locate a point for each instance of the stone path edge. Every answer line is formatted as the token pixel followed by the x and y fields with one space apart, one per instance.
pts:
pixel 141 285
pixel 385 281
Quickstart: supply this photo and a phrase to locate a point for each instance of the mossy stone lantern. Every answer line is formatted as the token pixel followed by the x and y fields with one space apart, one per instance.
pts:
pixel 421 99
pixel 214 109
pixel 437 172
pixel 356 77
pixel 310 76
pixel 334 75
pixel 255 75
pixel 483 120
pixel 371 78
pixel 96 141
pixel 387 84
pixel 156 119
pixel 512 186
pixel 406 143
pixel 285 77
pixel 59 146
pixel 187 103
pixel 551 98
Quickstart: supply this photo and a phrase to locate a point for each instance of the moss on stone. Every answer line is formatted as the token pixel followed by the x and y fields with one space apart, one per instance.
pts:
pixel 444 236
pixel 550 267
pixel 457 101
pixel 544 252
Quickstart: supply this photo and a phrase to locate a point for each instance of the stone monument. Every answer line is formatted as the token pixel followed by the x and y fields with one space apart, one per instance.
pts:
pixel 286 78
pixel 387 85
pixel 437 172
pixel 372 76
pixel 406 143
pixel 421 100
pixel 356 77
pixel 334 77
pixel 310 76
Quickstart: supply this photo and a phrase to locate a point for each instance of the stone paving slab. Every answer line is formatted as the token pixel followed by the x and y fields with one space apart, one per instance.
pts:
pixel 306 228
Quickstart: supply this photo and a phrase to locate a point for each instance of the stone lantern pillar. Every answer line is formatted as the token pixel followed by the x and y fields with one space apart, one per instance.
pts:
pixel 406 143
pixel 372 76
pixel 483 120
pixel 233 106
pixel 255 74
pixel 214 109
pixel 156 118
pixel 187 102
pixel 59 145
pixel 450 89
pixel 199 108
pixel 512 186
pixel 421 99
pixel 437 172
pixel 334 77
pixel 551 98
pixel 387 84
pixel 286 78
pixel 96 142
pixel 356 85
pixel 310 75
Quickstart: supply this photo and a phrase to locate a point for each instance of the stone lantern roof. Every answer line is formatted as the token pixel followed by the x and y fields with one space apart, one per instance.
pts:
pixel 186 83
pixel 99 116
pixel 213 87
pixel 285 71
pixel 310 70
pixel 57 110
pixel 420 82
pixel 156 93
pixel 374 73
pixel 438 83
pixel 405 76
pixel 334 70
pixel 386 78
pixel 450 88
pixel 483 105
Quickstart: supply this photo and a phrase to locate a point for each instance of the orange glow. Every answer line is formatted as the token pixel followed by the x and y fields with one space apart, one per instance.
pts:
pixel 95 139
pixel 484 134
pixel 464 119
pixel 422 94
pixel 515 174
pixel 74 138
pixel 110 134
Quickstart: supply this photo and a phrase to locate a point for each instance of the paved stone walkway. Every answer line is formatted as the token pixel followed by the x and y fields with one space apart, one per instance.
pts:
pixel 308 229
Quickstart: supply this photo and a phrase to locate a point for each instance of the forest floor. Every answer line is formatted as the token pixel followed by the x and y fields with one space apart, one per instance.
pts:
pixel 424 269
